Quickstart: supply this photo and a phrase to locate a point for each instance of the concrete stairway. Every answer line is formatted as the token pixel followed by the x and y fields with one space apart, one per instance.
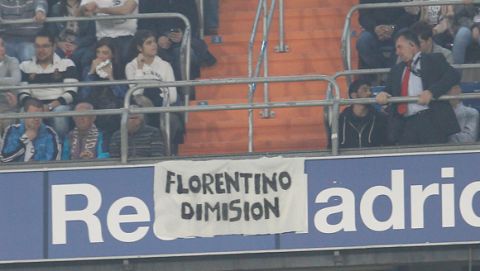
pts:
pixel 313 31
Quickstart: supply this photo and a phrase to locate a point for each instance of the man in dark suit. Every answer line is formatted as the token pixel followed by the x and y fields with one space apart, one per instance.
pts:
pixel 427 76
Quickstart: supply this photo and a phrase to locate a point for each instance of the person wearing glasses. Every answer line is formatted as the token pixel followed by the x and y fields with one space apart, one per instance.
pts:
pixel 47 67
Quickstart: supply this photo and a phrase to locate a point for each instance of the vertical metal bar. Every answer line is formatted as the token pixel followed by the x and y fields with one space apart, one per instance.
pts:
pixel 124 136
pixel 335 115
pixel 201 18
pixel 252 86
pixel 168 139
pixel 185 62
pixel 281 48
pixel 266 98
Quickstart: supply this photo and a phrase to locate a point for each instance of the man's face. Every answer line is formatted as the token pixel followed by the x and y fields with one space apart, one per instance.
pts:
pixel 44 49
pixel 363 92
pixel 134 123
pixel 405 49
pixel 33 123
pixel 426 45
pixel 83 123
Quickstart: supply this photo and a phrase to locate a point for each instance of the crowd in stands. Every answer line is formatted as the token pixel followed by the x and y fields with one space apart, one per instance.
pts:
pixel 418 44
pixel 88 51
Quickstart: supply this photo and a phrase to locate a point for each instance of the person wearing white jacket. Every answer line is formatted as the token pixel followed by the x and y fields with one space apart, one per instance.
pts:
pixel 147 65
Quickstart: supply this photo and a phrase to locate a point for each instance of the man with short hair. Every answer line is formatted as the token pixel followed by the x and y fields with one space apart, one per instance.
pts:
pixel 424 32
pixel 85 141
pixel 31 140
pixel 427 76
pixel 47 67
pixel 375 45
pixel 360 125
pixel 143 140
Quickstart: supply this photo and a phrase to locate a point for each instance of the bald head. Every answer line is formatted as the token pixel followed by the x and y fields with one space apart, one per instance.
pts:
pixel 84 123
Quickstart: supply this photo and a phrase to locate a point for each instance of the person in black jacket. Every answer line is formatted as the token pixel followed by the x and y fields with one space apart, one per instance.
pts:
pixel 360 125
pixel 427 76
pixel 375 45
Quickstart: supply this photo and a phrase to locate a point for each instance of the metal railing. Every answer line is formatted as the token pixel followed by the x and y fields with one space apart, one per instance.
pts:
pixel 346 35
pixel 185 54
pixel 126 110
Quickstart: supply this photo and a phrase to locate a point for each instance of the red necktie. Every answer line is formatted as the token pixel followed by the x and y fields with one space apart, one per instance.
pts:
pixel 402 108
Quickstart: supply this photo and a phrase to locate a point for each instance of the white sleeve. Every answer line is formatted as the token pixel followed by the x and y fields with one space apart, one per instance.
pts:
pixel 170 77
pixel 132 74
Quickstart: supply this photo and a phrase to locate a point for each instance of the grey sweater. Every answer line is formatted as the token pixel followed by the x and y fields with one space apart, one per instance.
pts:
pixel 21 9
pixel 9 72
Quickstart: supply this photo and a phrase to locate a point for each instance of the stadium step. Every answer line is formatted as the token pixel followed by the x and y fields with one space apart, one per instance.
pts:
pixel 313 33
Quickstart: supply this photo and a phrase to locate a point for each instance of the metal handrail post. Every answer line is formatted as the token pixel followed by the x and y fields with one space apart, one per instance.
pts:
pixel 201 18
pixel 266 18
pixel 252 87
pixel 281 48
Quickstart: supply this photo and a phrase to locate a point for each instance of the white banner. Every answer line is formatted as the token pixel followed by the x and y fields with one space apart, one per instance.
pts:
pixel 223 197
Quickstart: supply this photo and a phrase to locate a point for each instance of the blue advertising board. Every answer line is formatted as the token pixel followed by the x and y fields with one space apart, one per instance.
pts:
pixel 353 202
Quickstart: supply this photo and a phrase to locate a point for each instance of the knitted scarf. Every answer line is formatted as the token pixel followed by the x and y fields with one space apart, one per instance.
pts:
pixel 85 143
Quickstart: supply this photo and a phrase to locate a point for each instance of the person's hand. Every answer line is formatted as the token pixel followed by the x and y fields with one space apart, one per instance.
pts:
pixel 140 61
pixel 425 97
pixel 31 134
pixel 476 33
pixel 380 31
pixel 382 98
pixel 164 42
pixel 40 16
pixel 93 66
pixel 109 70
pixel 86 155
pixel 90 9
pixel 11 99
pixel 175 37
pixel 388 31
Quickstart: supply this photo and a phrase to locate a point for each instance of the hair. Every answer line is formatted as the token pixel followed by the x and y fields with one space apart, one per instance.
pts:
pixel 140 37
pixel 422 29
pixel 355 85
pixel 88 105
pixel 118 72
pixel 408 35
pixel 32 102
pixel 44 33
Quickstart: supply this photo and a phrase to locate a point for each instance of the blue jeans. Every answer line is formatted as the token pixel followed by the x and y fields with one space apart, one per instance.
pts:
pixel 462 40
pixel 371 51
pixel 61 125
pixel 21 48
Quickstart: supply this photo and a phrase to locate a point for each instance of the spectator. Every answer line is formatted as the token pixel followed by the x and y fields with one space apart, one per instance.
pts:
pixel 48 67
pixel 467 118
pixel 105 67
pixel 31 140
pixel 210 8
pixel 19 38
pixel 74 40
pixel 427 44
pixel 375 45
pixel 147 65
pixel 143 140
pixel 9 76
pixel 85 141
pixel 121 31
pixel 427 76
pixel 461 26
pixel 361 125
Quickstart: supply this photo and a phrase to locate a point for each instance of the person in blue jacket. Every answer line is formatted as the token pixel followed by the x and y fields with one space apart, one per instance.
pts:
pixel 85 141
pixel 30 140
